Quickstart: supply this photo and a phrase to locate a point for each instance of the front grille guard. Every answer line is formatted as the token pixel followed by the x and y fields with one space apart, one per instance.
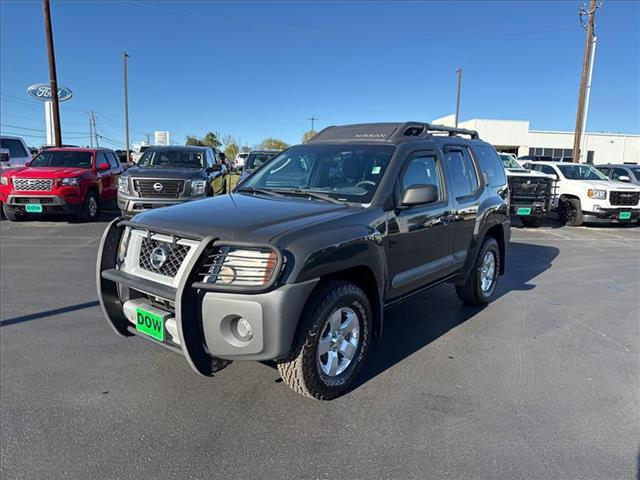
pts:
pixel 187 297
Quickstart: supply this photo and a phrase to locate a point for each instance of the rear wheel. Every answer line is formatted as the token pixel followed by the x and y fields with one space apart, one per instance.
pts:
pixel 532 222
pixel 570 212
pixel 90 210
pixel 332 342
pixel 11 214
pixel 481 284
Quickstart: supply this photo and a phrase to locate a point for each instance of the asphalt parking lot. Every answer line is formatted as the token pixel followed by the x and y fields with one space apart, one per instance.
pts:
pixel 541 384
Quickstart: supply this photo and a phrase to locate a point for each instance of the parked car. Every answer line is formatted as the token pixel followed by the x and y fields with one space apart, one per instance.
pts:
pixel 170 175
pixel 255 160
pixel 529 191
pixel 621 172
pixel 582 193
pixel 61 181
pixel 13 152
pixel 241 159
pixel 299 263
pixel 534 158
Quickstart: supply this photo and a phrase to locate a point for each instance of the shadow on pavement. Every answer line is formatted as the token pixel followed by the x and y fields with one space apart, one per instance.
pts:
pixel 415 323
pixel 48 313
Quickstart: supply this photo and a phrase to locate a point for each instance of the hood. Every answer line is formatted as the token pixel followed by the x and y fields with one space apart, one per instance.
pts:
pixel 50 172
pixel 243 217
pixel 154 172
pixel 608 185
pixel 512 172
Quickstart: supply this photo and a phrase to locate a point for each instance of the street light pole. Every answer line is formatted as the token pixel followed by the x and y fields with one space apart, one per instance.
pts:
pixel 126 103
pixel 459 72
pixel 53 78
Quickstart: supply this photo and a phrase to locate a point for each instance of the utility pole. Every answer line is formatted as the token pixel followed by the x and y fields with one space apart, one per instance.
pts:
pixel 148 139
pixel 95 129
pixel 583 146
pixel 459 72
pixel 53 78
pixel 586 66
pixel 91 128
pixel 126 103
pixel 313 118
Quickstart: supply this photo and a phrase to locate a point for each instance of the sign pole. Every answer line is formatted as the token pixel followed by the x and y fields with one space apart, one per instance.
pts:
pixel 126 103
pixel 53 78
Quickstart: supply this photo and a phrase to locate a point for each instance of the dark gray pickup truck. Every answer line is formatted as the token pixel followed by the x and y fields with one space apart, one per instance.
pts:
pixel 298 264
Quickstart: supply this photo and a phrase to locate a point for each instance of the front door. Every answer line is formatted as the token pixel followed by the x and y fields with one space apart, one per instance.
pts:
pixel 420 237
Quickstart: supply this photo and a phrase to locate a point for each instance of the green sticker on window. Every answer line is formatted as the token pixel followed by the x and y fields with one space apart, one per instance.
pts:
pixel 376 170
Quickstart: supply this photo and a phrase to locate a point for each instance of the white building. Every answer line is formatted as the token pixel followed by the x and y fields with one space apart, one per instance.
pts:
pixel 515 136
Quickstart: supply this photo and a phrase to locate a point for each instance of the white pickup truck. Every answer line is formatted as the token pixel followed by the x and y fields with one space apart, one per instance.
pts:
pixel 583 194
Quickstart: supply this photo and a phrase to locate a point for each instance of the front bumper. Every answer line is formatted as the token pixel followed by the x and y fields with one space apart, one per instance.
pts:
pixel 613 215
pixel 198 326
pixel 534 210
pixel 50 203
pixel 130 205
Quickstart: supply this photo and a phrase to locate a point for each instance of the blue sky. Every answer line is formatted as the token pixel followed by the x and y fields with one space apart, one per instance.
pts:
pixel 259 69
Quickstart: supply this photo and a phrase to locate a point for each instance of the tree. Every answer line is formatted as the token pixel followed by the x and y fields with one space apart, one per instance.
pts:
pixel 231 150
pixel 209 140
pixel 308 135
pixel 273 144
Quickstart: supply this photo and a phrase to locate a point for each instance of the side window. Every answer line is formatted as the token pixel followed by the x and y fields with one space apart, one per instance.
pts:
pixel 16 150
pixel 604 170
pixel 618 172
pixel 113 161
pixel 463 173
pixel 210 159
pixel 422 170
pixel 548 169
pixel 491 164
pixel 101 158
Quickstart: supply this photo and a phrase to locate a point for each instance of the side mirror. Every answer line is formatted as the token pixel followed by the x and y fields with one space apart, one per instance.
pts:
pixel 103 166
pixel 4 157
pixel 216 167
pixel 419 195
pixel 624 178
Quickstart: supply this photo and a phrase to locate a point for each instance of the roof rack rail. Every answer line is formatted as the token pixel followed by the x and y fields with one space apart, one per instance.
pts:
pixel 419 129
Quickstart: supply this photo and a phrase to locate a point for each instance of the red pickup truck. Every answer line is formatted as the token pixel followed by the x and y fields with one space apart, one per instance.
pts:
pixel 61 180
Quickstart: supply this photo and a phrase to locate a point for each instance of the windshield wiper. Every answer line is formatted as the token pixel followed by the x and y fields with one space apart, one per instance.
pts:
pixel 307 193
pixel 264 191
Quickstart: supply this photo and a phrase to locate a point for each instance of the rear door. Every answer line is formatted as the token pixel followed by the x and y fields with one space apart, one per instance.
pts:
pixel 114 172
pixel 420 237
pixel 464 181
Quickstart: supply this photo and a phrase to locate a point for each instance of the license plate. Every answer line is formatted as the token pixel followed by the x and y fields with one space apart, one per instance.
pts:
pixel 524 211
pixel 624 215
pixel 150 324
pixel 33 208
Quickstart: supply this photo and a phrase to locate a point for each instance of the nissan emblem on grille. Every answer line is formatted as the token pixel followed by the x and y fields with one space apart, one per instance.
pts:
pixel 158 187
pixel 158 257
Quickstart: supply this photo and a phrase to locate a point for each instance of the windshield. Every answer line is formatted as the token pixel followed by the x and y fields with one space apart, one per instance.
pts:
pixel 178 158
pixel 257 159
pixel 581 172
pixel 50 158
pixel 343 172
pixel 636 172
pixel 509 162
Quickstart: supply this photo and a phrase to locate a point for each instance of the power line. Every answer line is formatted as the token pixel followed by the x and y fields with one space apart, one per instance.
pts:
pixel 33 129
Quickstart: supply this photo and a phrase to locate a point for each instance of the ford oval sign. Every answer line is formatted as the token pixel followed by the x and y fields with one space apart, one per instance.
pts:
pixel 42 91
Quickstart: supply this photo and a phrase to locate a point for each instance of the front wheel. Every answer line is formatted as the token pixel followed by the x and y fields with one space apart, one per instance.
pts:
pixel 10 214
pixel 570 212
pixel 481 284
pixel 332 341
pixel 90 209
pixel 532 222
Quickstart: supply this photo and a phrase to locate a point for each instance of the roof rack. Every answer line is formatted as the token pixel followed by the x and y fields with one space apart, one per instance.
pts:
pixel 419 129
pixel 385 132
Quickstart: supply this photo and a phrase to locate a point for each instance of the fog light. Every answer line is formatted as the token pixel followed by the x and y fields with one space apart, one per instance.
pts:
pixel 596 208
pixel 243 329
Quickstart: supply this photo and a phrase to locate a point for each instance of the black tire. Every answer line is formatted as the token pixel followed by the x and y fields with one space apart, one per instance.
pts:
pixel 472 292
pixel 532 222
pixel 570 212
pixel 10 214
pixel 303 371
pixel 89 213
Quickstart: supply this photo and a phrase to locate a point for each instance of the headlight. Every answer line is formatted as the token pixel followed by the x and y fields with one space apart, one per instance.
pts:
pixel 198 187
pixel 241 267
pixel 67 182
pixel 597 194
pixel 123 184
pixel 124 243
pixel 4 180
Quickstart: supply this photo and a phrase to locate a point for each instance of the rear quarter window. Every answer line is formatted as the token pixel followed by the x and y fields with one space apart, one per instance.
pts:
pixel 491 164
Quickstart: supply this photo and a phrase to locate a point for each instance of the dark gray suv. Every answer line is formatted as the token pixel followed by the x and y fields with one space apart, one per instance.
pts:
pixel 168 176
pixel 298 264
